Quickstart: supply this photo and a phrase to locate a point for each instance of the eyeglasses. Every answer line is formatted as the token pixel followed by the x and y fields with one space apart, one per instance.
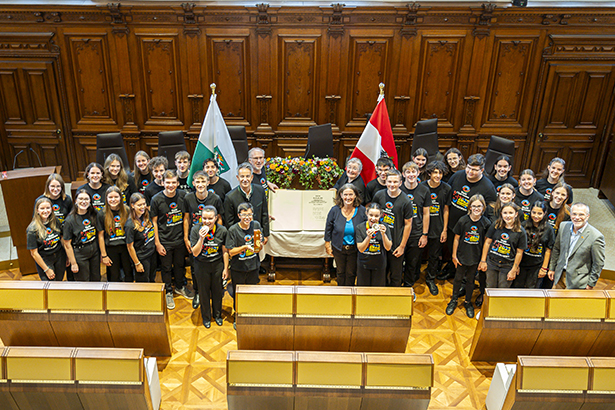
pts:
pixel 473 169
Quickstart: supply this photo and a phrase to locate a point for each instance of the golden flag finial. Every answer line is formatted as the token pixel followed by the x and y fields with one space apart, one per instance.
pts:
pixel 213 88
pixel 381 85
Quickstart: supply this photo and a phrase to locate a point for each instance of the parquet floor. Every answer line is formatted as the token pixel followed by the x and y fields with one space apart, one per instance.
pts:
pixel 194 377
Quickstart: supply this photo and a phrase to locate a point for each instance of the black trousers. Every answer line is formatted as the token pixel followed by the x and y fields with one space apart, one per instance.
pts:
pixel 239 277
pixel 120 260
pixel 434 250
pixel 346 265
pixel 527 277
pixel 394 268
pixel 412 257
pixel 57 263
pixel 146 264
pixel 154 264
pixel 173 267
pixel 371 276
pixel 88 260
pixel 467 272
pixel 209 279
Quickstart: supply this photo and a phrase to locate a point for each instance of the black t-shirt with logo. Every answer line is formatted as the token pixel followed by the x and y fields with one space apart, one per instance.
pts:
pixel 220 188
pixel 505 243
pixel 526 202
pixel 437 201
pixel 170 213
pixel 375 255
pixel 236 237
pixel 143 241
pixel 143 181
pixel 471 239
pixel 47 247
pixel 420 198
pixel 194 206
pixel 212 243
pixel 498 184
pixel 394 213
pixel 261 179
pixel 534 257
pixel 97 195
pixel 151 191
pixel 118 236
pixel 462 191
pixel 80 229
pixel 60 207
pixel 552 216
pixel 130 189
pixel 183 184
pixel 372 188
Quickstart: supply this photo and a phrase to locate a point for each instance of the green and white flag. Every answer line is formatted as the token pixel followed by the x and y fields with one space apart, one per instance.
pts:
pixel 215 142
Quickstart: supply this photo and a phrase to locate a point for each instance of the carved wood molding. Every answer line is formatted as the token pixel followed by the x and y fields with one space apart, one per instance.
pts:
pixel 264 101
pixel 28 43
pixel 469 103
pixel 263 23
pixel 128 104
pixel 483 24
pixel 401 103
pixel 196 100
pixel 332 101
pixel 409 28
pixel 336 26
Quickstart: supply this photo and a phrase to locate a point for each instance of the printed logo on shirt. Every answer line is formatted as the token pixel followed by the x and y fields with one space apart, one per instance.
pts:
pixel 175 216
pixel 466 189
pixel 144 183
pixel 248 238
pixel 173 205
pixel 211 190
pixel 52 240
pixel 55 207
pixel 411 197
pixel 201 207
pixel 460 200
pixel 505 236
pixel 434 210
pixel 552 217
pixel 88 234
pixel 48 230
pixel 537 253
pixel 472 237
pixel 434 195
pixel 263 181
pixel 525 202
pixel 116 218
pixel 96 197
pixel 548 191
pixel 389 205
pixel 86 222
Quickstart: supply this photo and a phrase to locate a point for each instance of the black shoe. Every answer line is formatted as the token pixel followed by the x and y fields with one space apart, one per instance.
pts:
pixel 450 308
pixel 448 272
pixel 207 323
pixel 469 309
pixel 218 321
pixel 433 288
pixel 196 302
pixel 479 300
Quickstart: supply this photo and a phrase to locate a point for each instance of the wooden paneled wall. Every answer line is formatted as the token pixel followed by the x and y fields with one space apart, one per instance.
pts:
pixel 544 77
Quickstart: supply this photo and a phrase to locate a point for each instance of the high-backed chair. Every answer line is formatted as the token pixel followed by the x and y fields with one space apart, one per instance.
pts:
pixel 498 146
pixel 111 143
pixel 426 136
pixel 169 144
pixel 320 142
pixel 240 142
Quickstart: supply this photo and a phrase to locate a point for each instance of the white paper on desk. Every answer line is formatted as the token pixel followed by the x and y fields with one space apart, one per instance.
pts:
pixel 316 207
pixel 285 206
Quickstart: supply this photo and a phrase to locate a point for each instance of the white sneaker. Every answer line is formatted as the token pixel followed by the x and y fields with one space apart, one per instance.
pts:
pixel 170 301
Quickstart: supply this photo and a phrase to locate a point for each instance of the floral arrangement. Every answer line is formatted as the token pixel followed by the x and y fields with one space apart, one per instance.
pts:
pixel 282 171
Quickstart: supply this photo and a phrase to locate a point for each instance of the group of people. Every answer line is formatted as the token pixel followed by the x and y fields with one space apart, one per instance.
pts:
pixel 522 234
pixel 466 224
pixel 136 222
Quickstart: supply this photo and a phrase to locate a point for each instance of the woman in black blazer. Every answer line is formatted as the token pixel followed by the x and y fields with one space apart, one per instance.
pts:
pixel 339 233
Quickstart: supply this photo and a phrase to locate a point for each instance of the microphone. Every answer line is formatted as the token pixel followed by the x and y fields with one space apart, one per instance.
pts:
pixel 40 164
pixel 15 158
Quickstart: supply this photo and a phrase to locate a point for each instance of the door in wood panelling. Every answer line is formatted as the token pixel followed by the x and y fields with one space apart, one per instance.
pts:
pixel 231 74
pixel 572 117
pixel 31 114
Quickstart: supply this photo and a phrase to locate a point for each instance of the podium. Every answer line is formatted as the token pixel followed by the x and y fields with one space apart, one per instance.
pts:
pixel 573 316
pixel 510 324
pixel 21 187
pixel 382 319
pixel 260 380
pixel 265 317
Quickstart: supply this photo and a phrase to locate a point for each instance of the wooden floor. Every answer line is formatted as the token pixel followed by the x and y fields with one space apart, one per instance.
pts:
pixel 194 377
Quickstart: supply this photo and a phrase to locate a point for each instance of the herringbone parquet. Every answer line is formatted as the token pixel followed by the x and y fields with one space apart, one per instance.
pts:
pixel 194 377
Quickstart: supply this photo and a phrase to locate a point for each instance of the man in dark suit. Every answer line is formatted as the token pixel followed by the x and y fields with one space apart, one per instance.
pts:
pixel 578 251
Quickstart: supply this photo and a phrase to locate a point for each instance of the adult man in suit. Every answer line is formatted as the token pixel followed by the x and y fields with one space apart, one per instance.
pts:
pixel 578 251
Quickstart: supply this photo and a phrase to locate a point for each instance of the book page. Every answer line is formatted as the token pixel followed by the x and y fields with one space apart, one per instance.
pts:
pixel 285 206
pixel 316 207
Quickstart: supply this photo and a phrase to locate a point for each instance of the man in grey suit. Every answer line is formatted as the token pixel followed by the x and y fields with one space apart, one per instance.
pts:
pixel 578 251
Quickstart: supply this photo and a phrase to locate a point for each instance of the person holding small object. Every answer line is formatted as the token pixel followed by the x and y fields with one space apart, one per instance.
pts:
pixel 80 239
pixel 469 233
pixel 373 241
pixel 211 263
pixel 504 245
pixel 340 232
pixel 44 241
pixel 140 239
pixel 244 241
pixel 111 227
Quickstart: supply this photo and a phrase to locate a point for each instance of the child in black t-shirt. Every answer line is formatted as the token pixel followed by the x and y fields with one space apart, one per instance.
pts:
pixel 81 239
pixel 44 235
pixel 111 227
pixel 182 164
pixel 141 172
pixel 211 263
pixel 373 240
pixel 167 212
pixel 526 195
pixel 469 233
pixel 95 187
pixel 540 240
pixel 504 245
pixel 140 240
pixel 217 184
pixel 502 173
pixel 158 166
